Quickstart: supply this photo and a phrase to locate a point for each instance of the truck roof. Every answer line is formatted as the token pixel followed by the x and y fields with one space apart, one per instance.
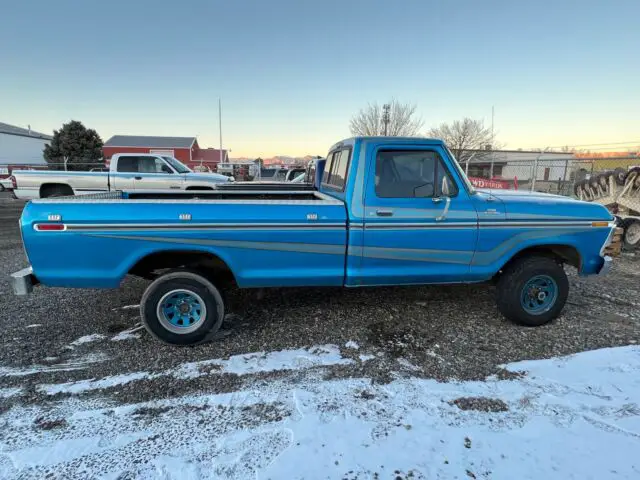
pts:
pixel 404 140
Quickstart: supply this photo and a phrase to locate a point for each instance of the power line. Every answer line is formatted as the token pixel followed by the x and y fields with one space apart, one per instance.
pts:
pixel 637 142
pixel 601 149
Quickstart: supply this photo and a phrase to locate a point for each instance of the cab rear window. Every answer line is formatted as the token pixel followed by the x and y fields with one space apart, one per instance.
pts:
pixel 336 169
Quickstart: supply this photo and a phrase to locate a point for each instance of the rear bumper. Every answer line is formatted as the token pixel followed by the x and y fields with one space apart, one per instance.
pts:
pixel 606 266
pixel 23 281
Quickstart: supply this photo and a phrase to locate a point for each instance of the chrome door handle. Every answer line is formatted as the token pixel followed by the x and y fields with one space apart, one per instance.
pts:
pixel 436 199
pixel 137 178
pixel 384 212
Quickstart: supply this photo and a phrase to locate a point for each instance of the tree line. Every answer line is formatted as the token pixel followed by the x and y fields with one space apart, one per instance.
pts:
pixel 397 119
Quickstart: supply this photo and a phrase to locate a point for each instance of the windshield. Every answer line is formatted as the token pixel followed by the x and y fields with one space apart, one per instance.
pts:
pixel 177 165
pixel 470 188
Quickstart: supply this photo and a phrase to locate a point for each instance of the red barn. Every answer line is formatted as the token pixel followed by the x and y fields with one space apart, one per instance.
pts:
pixel 185 149
pixel 209 157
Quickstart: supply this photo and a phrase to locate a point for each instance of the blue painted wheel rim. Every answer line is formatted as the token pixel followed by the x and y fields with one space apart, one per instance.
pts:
pixel 181 311
pixel 539 294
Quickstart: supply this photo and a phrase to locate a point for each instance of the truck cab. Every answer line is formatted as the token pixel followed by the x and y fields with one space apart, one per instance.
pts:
pixel 415 218
pixel 157 172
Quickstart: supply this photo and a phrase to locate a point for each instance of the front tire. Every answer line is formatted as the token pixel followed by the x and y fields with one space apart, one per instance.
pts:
pixel 182 308
pixel 532 291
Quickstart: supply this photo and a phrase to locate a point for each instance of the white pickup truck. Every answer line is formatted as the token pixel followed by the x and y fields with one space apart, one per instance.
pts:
pixel 139 172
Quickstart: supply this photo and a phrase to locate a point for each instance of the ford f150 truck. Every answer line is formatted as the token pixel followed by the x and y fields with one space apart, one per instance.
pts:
pixel 127 171
pixel 385 211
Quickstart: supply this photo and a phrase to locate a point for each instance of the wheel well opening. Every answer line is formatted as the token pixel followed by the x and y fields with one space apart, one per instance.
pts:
pixel 561 253
pixel 207 264
pixel 48 187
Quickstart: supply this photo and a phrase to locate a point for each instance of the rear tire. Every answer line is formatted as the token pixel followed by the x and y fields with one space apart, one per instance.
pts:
pixel 532 291
pixel 182 308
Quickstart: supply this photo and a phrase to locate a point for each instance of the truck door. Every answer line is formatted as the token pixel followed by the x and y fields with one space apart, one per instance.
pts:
pixel 145 173
pixel 155 174
pixel 126 169
pixel 420 224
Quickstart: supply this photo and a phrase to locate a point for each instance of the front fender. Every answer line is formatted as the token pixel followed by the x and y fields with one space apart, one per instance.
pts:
pixel 496 248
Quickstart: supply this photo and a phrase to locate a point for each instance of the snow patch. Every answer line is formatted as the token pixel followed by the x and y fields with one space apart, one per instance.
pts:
pixel 92 384
pixel 10 392
pixel 127 307
pixel 126 335
pixel 245 364
pixel 407 364
pixel 251 363
pixel 351 428
pixel 79 363
pixel 86 339
pixel 34 325
pixel 352 344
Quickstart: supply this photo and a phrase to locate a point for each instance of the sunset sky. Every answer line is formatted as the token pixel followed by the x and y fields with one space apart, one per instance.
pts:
pixel 291 73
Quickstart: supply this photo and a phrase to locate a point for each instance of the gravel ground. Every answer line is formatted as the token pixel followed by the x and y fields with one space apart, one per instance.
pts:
pixel 431 332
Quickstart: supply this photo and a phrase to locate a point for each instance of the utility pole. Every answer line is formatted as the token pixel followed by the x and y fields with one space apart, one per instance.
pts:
pixel 220 124
pixel 386 118
pixel 493 148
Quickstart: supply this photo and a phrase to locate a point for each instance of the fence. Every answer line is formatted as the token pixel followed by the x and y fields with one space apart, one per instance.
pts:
pixel 89 165
pixel 613 181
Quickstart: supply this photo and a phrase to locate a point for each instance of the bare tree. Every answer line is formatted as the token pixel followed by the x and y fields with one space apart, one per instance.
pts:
pixel 399 120
pixel 465 135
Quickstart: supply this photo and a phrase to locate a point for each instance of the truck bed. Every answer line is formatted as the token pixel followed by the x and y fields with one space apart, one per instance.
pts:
pixel 270 193
pixel 263 236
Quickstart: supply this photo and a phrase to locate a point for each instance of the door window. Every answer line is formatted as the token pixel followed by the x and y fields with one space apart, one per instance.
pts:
pixel 142 165
pixel 153 165
pixel 411 174
pixel 128 164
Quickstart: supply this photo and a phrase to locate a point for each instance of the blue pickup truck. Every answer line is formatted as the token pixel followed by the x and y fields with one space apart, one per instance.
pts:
pixel 382 211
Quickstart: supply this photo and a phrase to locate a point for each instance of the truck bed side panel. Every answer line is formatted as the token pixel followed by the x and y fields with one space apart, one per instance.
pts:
pixel 30 181
pixel 265 243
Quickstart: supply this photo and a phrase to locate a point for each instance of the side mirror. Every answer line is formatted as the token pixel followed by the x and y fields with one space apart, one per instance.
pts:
pixel 445 190
pixel 166 169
